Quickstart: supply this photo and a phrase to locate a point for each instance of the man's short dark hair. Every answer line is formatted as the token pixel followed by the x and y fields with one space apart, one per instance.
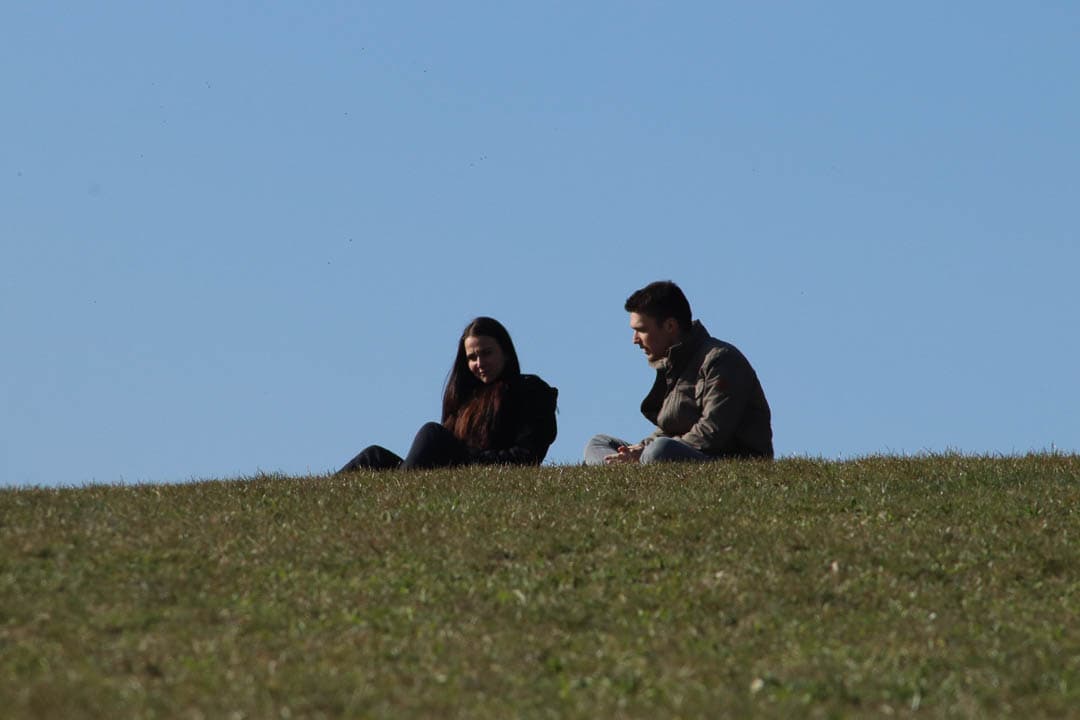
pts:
pixel 661 300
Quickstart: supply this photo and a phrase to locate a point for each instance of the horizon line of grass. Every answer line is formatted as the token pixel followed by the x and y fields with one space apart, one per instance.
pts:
pixel 260 474
pixel 946 586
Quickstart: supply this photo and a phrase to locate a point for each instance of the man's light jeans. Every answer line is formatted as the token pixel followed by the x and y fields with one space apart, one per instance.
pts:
pixel 662 449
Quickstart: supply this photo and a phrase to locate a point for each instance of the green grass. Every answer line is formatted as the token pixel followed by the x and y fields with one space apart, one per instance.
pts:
pixel 942 586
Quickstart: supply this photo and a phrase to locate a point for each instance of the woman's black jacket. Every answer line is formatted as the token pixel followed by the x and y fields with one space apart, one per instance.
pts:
pixel 525 426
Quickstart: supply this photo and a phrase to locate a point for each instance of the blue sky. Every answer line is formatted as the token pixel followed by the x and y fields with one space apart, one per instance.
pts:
pixel 240 237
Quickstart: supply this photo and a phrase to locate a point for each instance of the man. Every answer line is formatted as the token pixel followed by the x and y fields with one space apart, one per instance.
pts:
pixel 706 403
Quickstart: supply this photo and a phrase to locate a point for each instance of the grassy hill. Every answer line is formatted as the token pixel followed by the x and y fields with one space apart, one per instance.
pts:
pixel 933 586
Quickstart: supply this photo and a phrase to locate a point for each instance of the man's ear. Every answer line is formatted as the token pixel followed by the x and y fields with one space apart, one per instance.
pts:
pixel 671 327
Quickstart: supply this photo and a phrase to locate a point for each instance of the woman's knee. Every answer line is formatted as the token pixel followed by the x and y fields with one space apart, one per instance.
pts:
pixel 431 430
pixel 373 457
pixel 431 437
pixel 435 446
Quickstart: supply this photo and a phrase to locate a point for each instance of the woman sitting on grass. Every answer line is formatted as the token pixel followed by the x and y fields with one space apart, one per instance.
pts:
pixel 492 414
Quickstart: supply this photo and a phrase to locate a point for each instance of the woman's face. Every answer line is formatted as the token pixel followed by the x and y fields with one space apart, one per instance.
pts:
pixel 486 359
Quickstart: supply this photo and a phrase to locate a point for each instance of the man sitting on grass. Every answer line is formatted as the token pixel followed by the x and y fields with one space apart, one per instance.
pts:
pixel 706 403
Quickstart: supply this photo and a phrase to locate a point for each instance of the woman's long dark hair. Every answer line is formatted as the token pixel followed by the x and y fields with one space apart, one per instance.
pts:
pixel 470 406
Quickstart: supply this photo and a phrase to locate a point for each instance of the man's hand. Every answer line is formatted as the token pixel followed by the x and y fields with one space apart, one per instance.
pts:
pixel 625 455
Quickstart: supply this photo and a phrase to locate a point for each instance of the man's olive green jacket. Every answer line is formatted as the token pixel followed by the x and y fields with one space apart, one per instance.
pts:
pixel 708 396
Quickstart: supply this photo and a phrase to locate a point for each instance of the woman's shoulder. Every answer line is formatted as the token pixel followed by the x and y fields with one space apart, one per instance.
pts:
pixel 534 387
pixel 534 382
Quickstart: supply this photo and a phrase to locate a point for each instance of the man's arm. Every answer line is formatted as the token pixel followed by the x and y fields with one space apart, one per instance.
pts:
pixel 723 405
pixel 657 433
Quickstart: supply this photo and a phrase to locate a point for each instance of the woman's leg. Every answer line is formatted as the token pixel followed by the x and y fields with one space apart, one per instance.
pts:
pixel 665 449
pixel 373 457
pixel 435 446
pixel 599 447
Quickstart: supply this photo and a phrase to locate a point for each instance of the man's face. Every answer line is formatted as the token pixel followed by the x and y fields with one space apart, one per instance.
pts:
pixel 653 336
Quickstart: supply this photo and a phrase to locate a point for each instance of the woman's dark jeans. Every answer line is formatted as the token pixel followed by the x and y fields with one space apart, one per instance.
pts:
pixel 434 446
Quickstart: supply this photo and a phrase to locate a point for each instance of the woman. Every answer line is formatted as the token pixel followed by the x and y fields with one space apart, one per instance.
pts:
pixel 491 414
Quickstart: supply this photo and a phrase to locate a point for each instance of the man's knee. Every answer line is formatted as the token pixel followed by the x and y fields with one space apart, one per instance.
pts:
pixel 655 451
pixel 598 447
pixel 602 441
pixel 664 449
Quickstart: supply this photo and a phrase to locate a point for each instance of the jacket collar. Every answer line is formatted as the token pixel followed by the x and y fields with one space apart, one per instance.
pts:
pixel 680 352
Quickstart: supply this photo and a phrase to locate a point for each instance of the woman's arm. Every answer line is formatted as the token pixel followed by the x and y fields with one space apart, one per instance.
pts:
pixel 533 415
